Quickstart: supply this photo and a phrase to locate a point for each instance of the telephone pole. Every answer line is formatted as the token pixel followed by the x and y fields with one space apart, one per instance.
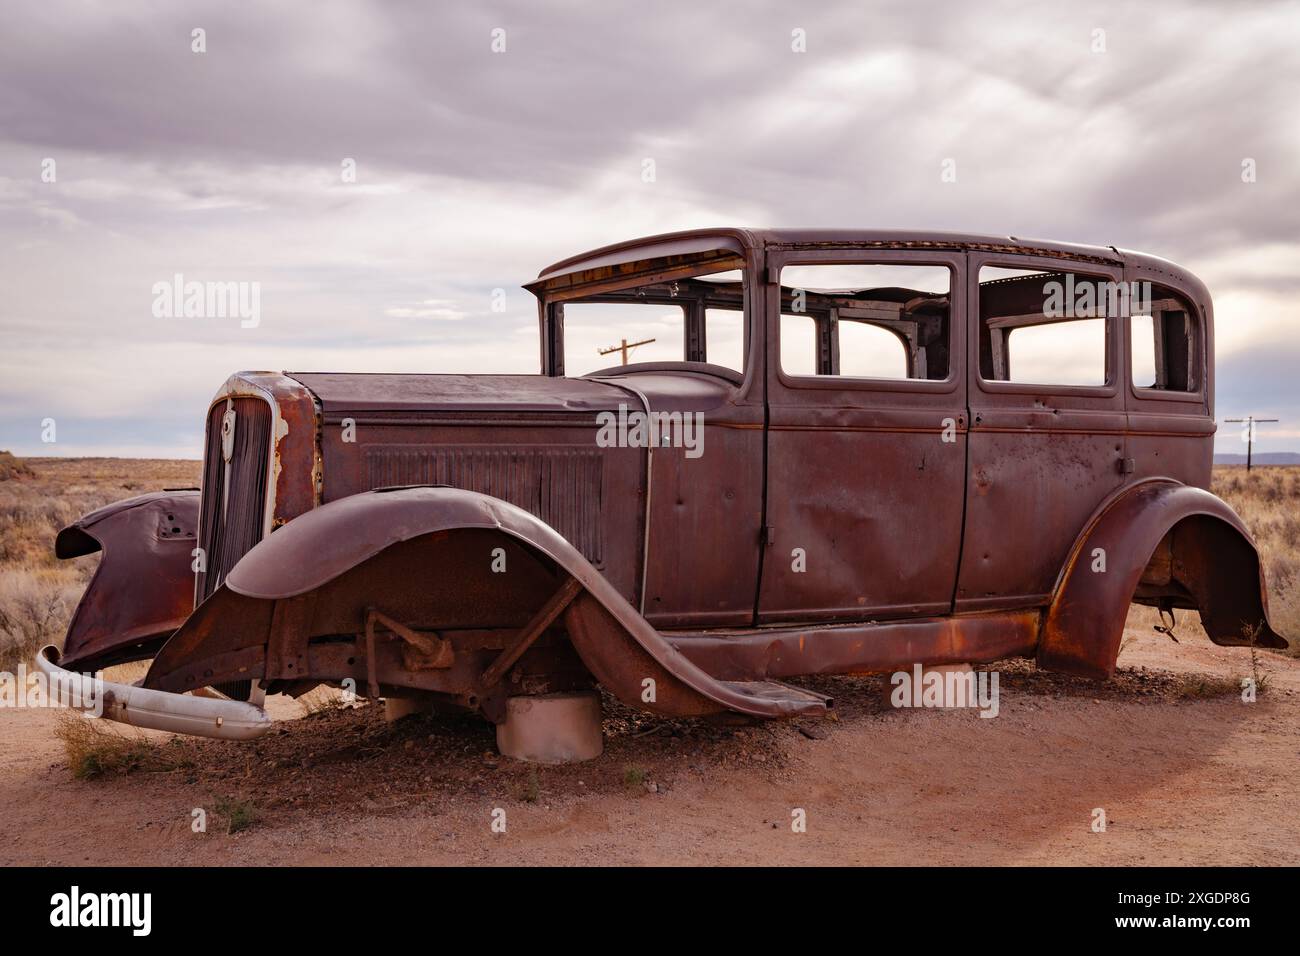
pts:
pixel 1250 421
pixel 625 347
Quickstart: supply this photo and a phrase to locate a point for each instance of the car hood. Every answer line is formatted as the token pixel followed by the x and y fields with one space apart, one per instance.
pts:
pixel 375 392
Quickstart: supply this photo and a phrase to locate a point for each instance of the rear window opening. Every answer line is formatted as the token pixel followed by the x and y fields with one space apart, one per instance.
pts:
pixel 1164 342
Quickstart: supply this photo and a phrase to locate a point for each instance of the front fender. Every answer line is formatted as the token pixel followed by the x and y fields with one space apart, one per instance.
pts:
pixel 1212 565
pixel 146 543
pixel 423 554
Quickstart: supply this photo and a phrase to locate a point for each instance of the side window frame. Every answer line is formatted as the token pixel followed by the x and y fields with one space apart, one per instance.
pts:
pixel 1114 333
pixel 954 261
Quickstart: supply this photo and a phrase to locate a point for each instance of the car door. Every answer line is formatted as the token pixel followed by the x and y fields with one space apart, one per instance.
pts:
pixel 866 437
pixel 1047 430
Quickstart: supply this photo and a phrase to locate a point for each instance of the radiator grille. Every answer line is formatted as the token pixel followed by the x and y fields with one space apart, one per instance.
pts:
pixel 226 534
pixel 561 486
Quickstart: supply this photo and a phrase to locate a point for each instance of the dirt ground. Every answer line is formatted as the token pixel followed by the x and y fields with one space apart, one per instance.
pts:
pixel 1185 771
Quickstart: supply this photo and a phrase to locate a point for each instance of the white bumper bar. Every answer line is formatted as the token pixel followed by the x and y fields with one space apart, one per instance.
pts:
pixel 155 709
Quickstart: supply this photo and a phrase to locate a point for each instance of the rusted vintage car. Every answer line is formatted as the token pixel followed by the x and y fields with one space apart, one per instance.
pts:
pixel 824 452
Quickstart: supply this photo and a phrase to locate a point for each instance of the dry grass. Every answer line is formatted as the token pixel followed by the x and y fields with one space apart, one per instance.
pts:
pixel 240 814
pixel 38 496
pixel 97 748
pixel 35 607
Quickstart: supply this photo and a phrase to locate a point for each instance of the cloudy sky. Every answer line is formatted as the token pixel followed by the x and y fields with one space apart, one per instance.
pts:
pixel 475 168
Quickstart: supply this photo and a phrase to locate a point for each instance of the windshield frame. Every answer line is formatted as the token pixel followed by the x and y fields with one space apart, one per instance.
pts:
pixel 605 283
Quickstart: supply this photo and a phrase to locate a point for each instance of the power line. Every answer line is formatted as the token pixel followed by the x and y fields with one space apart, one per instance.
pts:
pixel 1250 422
pixel 624 347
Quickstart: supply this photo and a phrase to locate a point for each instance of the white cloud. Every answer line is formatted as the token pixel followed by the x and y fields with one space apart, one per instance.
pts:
pixel 475 170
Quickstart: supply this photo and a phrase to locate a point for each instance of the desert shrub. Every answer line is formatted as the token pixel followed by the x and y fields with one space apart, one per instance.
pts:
pixel 14 469
pixel 35 607
pixel 239 814
pixel 96 748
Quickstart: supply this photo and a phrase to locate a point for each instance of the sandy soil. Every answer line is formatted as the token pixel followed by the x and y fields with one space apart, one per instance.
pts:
pixel 1186 772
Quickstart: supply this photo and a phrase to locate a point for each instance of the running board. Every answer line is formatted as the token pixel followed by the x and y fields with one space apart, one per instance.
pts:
pixel 795 699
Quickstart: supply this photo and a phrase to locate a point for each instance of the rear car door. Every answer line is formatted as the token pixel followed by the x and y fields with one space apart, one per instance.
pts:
pixel 1047 431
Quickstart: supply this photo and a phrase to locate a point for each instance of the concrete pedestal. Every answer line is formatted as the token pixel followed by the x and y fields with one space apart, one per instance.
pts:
pixel 395 708
pixel 552 728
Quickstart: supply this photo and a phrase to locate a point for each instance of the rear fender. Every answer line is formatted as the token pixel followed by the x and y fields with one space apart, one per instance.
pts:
pixel 427 557
pixel 1163 543
pixel 143 588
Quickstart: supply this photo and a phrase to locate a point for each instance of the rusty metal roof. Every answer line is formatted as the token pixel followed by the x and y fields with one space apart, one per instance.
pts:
pixel 740 239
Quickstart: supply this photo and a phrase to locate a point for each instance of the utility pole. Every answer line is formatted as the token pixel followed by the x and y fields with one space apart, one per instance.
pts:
pixel 625 347
pixel 1250 421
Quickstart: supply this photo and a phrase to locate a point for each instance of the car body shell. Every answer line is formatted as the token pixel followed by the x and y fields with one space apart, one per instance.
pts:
pixel 357 534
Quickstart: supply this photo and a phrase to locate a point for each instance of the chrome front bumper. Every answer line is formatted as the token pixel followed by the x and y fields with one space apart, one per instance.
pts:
pixel 155 709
